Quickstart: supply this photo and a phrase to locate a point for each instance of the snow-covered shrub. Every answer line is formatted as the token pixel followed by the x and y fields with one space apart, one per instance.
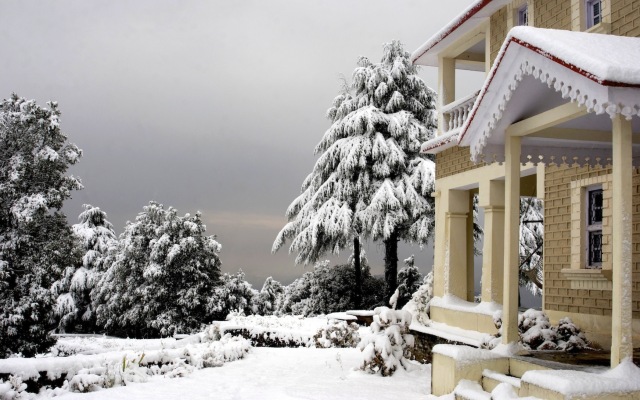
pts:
pixel 387 347
pixel 13 389
pixel 422 298
pixel 337 334
pixel 36 243
pixel 570 337
pixel 329 289
pixel 73 306
pixel 408 282
pixel 163 275
pixel 233 295
pixel 537 333
pixel 270 297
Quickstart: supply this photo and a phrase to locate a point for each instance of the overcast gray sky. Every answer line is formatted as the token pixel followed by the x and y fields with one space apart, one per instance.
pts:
pixel 204 105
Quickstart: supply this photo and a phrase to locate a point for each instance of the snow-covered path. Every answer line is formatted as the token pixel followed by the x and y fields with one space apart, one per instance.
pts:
pixel 271 373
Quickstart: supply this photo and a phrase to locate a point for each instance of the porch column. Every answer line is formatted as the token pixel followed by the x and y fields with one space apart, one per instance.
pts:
pixel 470 247
pixel 446 88
pixel 456 236
pixel 511 239
pixel 439 245
pixel 492 202
pixel 621 324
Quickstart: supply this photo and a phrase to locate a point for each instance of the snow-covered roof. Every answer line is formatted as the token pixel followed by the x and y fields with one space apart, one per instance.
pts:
pixel 442 142
pixel 599 72
pixel 470 18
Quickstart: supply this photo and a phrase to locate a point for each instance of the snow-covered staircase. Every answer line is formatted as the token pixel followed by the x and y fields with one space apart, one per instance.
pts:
pixel 491 379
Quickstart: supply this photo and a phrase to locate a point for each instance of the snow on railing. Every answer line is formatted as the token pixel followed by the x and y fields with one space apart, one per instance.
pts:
pixel 456 113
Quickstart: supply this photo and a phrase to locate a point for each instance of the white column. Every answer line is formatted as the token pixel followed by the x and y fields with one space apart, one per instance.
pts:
pixel 446 88
pixel 455 258
pixel 492 202
pixel 511 236
pixel 621 324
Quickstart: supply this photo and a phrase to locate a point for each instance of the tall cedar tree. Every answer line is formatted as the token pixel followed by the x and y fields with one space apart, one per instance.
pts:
pixel 36 243
pixel 161 279
pixel 73 306
pixel 370 179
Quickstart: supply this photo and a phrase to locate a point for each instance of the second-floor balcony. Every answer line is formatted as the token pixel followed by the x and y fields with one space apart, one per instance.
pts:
pixel 455 114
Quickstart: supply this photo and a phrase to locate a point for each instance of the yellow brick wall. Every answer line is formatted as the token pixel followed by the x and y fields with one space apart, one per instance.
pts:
pixel 453 161
pixel 625 17
pixel 559 296
pixel 554 14
pixel 497 31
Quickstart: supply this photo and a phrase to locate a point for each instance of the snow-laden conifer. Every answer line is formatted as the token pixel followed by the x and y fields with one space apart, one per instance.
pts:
pixel 73 305
pixel 163 274
pixel 36 243
pixel 270 297
pixel 370 179
pixel 531 241
pixel 409 280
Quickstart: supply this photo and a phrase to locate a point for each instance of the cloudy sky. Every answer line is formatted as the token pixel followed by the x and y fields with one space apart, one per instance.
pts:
pixel 204 105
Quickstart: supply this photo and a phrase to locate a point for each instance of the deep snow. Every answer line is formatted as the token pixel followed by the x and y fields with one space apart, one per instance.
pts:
pixel 279 373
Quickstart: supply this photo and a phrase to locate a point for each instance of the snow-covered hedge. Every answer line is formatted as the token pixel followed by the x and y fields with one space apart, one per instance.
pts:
pixel 537 333
pixel 387 347
pixel 84 373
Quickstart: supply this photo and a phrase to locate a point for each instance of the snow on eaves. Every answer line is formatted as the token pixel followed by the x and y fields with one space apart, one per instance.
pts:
pixel 439 143
pixel 603 81
pixel 468 19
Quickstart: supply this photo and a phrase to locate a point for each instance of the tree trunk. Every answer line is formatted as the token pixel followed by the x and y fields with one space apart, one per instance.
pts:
pixel 391 265
pixel 357 292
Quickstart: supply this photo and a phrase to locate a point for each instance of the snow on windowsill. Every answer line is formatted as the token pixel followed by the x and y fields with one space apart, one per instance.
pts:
pixel 451 302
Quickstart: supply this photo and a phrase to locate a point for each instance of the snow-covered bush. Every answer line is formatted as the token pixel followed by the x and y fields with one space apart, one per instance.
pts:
pixel 537 333
pixel 422 298
pixel 329 289
pixel 13 389
pixel 270 297
pixel 73 306
pixel 408 282
pixel 163 275
pixel 387 347
pixel 338 334
pixel 233 295
pixel 36 243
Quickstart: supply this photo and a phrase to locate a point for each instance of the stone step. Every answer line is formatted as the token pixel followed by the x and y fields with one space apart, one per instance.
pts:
pixel 491 379
pixel 470 390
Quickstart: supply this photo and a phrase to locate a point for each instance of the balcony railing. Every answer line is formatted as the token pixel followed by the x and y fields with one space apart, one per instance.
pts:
pixel 455 114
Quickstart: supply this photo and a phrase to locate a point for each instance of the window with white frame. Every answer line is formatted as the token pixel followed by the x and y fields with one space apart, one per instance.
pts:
pixel 523 15
pixel 593 225
pixel 594 12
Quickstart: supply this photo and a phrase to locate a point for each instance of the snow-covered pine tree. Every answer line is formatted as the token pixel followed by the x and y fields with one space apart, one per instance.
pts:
pixel 162 276
pixel 234 294
pixel 36 243
pixel 73 305
pixel 531 241
pixel 409 280
pixel 370 178
pixel 270 296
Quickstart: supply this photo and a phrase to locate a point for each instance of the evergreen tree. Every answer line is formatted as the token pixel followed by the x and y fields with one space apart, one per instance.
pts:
pixel 163 275
pixel 409 281
pixel 370 178
pixel 73 306
pixel 531 241
pixel 270 296
pixel 36 243
pixel 234 294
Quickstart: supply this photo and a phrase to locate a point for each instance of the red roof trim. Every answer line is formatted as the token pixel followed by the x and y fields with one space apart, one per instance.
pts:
pixel 572 67
pixel 551 57
pixel 473 11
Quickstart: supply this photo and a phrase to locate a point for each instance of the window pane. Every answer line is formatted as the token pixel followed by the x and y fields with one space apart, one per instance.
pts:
pixel 595 248
pixel 595 206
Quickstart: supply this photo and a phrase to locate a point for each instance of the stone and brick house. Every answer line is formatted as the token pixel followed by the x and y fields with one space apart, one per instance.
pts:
pixel 558 118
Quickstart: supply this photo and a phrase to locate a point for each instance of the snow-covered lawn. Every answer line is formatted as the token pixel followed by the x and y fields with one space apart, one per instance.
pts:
pixel 279 373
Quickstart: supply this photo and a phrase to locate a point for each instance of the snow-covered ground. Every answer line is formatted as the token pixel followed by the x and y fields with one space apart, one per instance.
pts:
pixel 279 373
